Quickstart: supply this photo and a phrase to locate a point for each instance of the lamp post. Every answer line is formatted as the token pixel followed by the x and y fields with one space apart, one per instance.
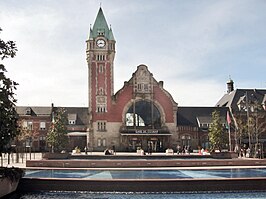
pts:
pixel 249 135
pixel 256 108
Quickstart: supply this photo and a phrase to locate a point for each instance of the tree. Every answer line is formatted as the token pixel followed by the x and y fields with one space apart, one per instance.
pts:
pixel 8 115
pixel 57 135
pixel 217 137
pixel 241 127
pixel 251 123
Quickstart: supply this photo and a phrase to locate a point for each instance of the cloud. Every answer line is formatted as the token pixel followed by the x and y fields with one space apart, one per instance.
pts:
pixel 192 46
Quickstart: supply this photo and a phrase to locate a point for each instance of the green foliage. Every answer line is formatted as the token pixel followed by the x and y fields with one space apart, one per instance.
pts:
pixel 57 135
pixel 254 126
pixel 242 127
pixel 8 115
pixel 217 136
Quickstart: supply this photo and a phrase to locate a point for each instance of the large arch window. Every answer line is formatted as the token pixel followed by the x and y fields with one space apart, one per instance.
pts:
pixel 143 114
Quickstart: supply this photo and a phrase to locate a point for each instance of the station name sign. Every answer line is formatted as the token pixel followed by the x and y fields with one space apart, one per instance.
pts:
pixel 149 131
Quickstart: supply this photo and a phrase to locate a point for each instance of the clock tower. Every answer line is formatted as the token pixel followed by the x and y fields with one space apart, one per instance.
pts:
pixel 100 58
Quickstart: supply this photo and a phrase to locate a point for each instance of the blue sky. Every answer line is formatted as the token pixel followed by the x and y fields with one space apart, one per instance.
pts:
pixel 193 46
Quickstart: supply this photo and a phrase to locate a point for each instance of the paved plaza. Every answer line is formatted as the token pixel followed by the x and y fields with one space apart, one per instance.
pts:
pixel 123 157
pixel 21 161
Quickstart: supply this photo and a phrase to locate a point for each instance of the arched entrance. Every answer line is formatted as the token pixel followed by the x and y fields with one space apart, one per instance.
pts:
pixel 143 128
pixel 143 114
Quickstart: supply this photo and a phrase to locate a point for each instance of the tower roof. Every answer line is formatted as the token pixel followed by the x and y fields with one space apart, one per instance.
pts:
pixel 100 27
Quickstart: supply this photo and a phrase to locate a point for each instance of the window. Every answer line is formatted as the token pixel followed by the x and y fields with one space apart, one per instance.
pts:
pixel 100 57
pixel 101 32
pixel 205 142
pixel 143 87
pixel 204 125
pixel 30 126
pixel 100 91
pixel 28 111
pixel 42 125
pixel 101 68
pixel 101 109
pixel 71 121
pixel 130 120
pixel 25 125
pixel 186 140
pixel 146 87
pixel 139 87
pixel 42 138
pixel 143 113
pixel 72 118
pixel 101 125
pixel 104 142
pixel 99 142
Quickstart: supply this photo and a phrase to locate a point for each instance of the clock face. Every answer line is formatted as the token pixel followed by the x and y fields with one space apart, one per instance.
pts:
pixel 100 43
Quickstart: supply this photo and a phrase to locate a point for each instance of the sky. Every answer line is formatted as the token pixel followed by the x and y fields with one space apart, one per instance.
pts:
pixel 194 46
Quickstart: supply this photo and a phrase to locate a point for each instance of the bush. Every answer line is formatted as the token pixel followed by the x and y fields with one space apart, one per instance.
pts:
pixel 13 174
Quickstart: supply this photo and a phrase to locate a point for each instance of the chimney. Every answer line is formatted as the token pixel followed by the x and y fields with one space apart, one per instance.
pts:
pixel 161 84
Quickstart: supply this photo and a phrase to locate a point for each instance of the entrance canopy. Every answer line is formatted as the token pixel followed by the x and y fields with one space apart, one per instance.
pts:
pixel 145 132
pixel 77 134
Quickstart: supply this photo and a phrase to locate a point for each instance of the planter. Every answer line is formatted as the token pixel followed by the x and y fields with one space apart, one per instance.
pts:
pixel 55 155
pixel 7 186
pixel 224 155
pixel 9 179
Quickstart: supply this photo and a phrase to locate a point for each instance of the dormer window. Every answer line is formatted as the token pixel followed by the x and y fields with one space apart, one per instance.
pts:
pixel 204 125
pixel 28 111
pixel 42 125
pixel 101 32
pixel 72 118
pixel 71 122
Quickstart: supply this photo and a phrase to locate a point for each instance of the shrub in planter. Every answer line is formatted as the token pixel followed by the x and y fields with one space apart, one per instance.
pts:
pixel 12 174
pixel 224 155
pixel 56 155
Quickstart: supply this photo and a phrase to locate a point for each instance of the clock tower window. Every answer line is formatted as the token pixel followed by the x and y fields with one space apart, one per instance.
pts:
pixel 101 32
pixel 101 109
pixel 100 57
pixel 101 68
pixel 100 92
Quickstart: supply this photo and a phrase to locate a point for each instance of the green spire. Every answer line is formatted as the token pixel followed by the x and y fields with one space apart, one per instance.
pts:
pixel 100 27
pixel 111 36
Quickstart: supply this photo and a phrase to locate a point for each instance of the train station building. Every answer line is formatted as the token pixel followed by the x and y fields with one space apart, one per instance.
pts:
pixel 142 114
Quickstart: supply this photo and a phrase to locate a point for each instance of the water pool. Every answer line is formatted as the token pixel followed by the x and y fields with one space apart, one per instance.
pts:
pixel 147 174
